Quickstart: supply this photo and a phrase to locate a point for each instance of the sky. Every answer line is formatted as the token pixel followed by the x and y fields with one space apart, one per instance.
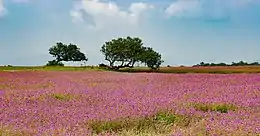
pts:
pixel 185 32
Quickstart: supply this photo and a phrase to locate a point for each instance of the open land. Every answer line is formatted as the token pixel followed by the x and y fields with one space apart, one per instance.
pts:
pixel 93 102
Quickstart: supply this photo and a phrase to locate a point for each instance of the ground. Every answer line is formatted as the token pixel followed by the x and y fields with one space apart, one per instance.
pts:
pixel 40 102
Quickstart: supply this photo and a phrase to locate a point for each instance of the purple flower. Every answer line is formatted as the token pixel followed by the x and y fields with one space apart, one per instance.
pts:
pixel 1 93
pixel 68 105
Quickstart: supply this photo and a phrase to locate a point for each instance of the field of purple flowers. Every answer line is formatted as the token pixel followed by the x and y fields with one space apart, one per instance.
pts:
pixel 91 103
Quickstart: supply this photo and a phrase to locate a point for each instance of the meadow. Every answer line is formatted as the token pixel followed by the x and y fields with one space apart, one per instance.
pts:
pixel 69 101
pixel 178 70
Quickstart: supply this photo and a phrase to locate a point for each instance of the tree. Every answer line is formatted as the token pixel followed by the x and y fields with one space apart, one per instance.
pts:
pixel 122 50
pixel 201 63
pixel 151 58
pixel 63 52
pixel 127 51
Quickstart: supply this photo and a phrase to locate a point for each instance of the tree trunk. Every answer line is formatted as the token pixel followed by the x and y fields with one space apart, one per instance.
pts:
pixel 132 65
pixel 122 63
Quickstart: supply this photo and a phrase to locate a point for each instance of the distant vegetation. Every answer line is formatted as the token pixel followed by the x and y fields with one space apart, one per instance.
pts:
pixel 240 63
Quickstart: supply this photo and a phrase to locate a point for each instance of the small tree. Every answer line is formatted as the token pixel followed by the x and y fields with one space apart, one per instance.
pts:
pixel 63 52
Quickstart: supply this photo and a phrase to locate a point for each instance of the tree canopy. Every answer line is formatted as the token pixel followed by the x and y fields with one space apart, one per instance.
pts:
pixel 151 58
pixel 63 52
pixel 129 50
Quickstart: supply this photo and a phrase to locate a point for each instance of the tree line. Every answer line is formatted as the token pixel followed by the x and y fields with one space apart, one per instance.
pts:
pixel 120 53
pixel 240 63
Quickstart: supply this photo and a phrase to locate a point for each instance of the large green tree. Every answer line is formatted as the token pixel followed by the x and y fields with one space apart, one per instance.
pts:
pixel 63 52
pixel 122 50
pixel 129 50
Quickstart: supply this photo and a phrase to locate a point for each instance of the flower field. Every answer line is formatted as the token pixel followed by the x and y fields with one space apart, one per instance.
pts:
pixel 83 103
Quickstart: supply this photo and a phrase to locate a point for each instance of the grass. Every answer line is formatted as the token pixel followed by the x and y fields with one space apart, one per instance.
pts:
pixel 178 70
pixel 223 108
pixel 63 97
pixel 160 123
pixel 4 131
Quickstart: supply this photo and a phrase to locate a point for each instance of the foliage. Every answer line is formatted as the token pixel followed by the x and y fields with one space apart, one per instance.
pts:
pixel 127 51
pixel 151 58
pixel 63 52
pixel 102 65
pixel 54 63
pixel 240 63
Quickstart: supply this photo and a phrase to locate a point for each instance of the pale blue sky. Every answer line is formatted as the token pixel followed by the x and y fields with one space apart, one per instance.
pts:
pixel 185 32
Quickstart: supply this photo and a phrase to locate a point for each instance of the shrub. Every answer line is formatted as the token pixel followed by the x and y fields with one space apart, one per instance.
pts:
pixel 54 63
pixel 102 65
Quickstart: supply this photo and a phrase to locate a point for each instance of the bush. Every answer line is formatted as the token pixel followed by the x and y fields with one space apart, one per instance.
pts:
pixel 102 65
pixel 54 63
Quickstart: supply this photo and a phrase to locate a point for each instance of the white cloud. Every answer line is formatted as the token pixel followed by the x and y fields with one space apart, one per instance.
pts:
pixel 3 10
pixel 107 13
pixel 182 6
pixel 138 8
